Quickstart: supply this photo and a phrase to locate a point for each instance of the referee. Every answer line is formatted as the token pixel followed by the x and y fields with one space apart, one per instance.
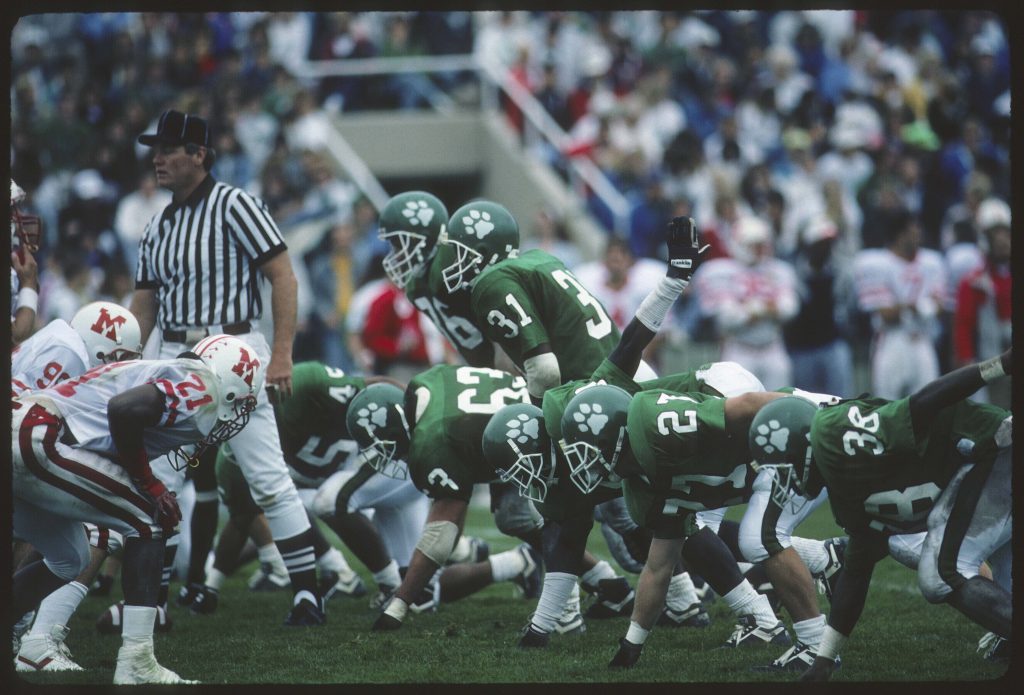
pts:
pixel 201 263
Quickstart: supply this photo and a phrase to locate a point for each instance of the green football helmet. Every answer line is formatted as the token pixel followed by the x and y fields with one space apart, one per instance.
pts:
pixel 780 439
pixel 411 223
pixel 593 434
pixel 517 445
pixel 479 234
pixel 376 422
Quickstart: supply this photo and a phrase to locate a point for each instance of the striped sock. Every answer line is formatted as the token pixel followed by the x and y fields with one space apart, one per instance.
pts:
pixel 300 561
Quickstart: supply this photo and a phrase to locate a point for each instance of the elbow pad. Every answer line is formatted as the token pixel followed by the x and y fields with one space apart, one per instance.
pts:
pixel 542 373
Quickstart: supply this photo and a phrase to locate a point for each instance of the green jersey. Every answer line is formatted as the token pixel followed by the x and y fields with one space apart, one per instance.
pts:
pixel 520 303
pixel 448 408
pixel 689 461
pixel 450 312
pixel 311 423
pixel 879 475
pixel 562 499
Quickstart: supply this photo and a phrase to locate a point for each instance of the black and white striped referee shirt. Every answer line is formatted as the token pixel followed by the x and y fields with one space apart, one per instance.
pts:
pixel 201 256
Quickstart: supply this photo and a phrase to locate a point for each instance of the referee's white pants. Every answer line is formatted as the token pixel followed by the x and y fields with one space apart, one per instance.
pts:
pixel 257 449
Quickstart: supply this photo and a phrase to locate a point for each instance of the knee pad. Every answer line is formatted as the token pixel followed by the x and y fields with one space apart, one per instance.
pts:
pixel 516 516
pixel 438 540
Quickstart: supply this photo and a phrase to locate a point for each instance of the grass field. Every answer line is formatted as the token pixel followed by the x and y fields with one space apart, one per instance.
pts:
pixel 900 638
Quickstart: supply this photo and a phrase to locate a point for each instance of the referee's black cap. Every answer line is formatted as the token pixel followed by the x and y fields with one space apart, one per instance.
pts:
pixel 177 128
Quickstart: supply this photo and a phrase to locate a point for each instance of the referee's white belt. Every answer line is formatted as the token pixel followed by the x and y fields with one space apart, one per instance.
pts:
pixel 191 336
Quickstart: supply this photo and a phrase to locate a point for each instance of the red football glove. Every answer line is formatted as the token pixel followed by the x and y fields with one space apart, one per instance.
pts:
pixel 165 512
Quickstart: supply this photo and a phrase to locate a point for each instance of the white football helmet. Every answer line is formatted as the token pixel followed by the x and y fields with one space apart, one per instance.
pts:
pixel 110 332
pixel 239 374
pixel 25 229
pixel 748 235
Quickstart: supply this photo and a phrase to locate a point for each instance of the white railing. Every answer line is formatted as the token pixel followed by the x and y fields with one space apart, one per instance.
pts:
pixel 538 124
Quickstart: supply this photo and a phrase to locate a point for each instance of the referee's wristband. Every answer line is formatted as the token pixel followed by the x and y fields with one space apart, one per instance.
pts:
pixel 28 298
pixel 397 608
pixel 831 641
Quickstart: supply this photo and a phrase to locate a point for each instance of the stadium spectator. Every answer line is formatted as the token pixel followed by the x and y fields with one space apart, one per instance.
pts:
pixel 334 274
pixel 134 212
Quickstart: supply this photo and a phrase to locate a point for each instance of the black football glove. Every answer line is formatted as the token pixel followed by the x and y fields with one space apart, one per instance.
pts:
pixel 628 654
pixel 386 623
pixel 684 248
pixel 532 637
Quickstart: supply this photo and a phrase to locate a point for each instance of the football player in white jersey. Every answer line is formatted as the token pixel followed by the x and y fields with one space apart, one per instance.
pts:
pixel 750 296
pixel 81 451
pixel 99 333
pixel 25 237
pixel 903 287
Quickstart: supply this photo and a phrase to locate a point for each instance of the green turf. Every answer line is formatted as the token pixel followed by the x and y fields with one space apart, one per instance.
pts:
pixel 899 637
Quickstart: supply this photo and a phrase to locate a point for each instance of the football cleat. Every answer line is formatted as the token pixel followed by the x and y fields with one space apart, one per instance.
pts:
pixel 826 579
pixel 469 549
pixel 347 584
pixel 691 616
pixel 266 579
pixel 796 659
pixel 205 601
pixel 383 595
pixel 531 579
pixel 531 637
pixel 136 664
pixel 46 652
pixel 111 620
pixel 748 633
pixel 305 613
pixel 613 598
pixel 187 594
pixel 992 647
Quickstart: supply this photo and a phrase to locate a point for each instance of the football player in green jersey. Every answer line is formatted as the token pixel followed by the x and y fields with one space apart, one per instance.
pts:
pixel 435 426
pixel 932 462
pixel 411 223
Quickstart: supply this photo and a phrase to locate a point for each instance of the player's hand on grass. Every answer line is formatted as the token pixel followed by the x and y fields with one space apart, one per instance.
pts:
pixel 386 623
pixel 821 670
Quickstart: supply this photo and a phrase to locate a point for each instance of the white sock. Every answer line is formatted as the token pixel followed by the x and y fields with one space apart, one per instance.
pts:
pixel 214 579
pixel 270 554
pixel 744 600
pixel 138 622
pixel 681 592
pixel 810 631
pixel 506 565
pixel 388 576
pixel 602 570
pixel 557 591
pixel 812 552
pixel 57 608
pixel 333 561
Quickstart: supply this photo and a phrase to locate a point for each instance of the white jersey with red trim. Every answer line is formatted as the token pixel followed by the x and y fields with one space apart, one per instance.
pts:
pixel 190 403
pixel 55 353
pixel 737 295
pixel 884 279
pixel 622 303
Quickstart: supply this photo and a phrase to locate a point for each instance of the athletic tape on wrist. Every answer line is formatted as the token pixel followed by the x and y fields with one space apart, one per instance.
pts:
pixel 991 370
pixel 658 302
pixel 831 641
pixel 28 298
pixel 636 634
pixel 397 608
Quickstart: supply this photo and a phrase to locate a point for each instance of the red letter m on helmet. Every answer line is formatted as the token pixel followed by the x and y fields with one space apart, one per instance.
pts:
pixel 108 326
pixel 246 366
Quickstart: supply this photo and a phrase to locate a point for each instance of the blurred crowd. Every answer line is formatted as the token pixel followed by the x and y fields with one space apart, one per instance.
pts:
pixel 811 147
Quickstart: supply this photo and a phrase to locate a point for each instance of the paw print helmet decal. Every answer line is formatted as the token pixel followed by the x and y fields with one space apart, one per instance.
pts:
pixel 411 223
pixel 517 445
pixel 779 439
pixel 478 235
pixel 376 422
pixel 593 434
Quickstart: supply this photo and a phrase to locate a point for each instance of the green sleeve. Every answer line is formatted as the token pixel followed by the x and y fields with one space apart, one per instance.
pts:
pixel 507 316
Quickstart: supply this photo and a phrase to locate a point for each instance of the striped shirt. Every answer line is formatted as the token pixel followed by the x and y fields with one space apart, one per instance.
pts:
pixel 202 257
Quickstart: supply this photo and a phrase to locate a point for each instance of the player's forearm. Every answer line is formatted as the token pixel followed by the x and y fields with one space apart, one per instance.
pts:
pixel 953 387
pixel 630 348
pixel 651 590
pixel 851 590
pixel 128 415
